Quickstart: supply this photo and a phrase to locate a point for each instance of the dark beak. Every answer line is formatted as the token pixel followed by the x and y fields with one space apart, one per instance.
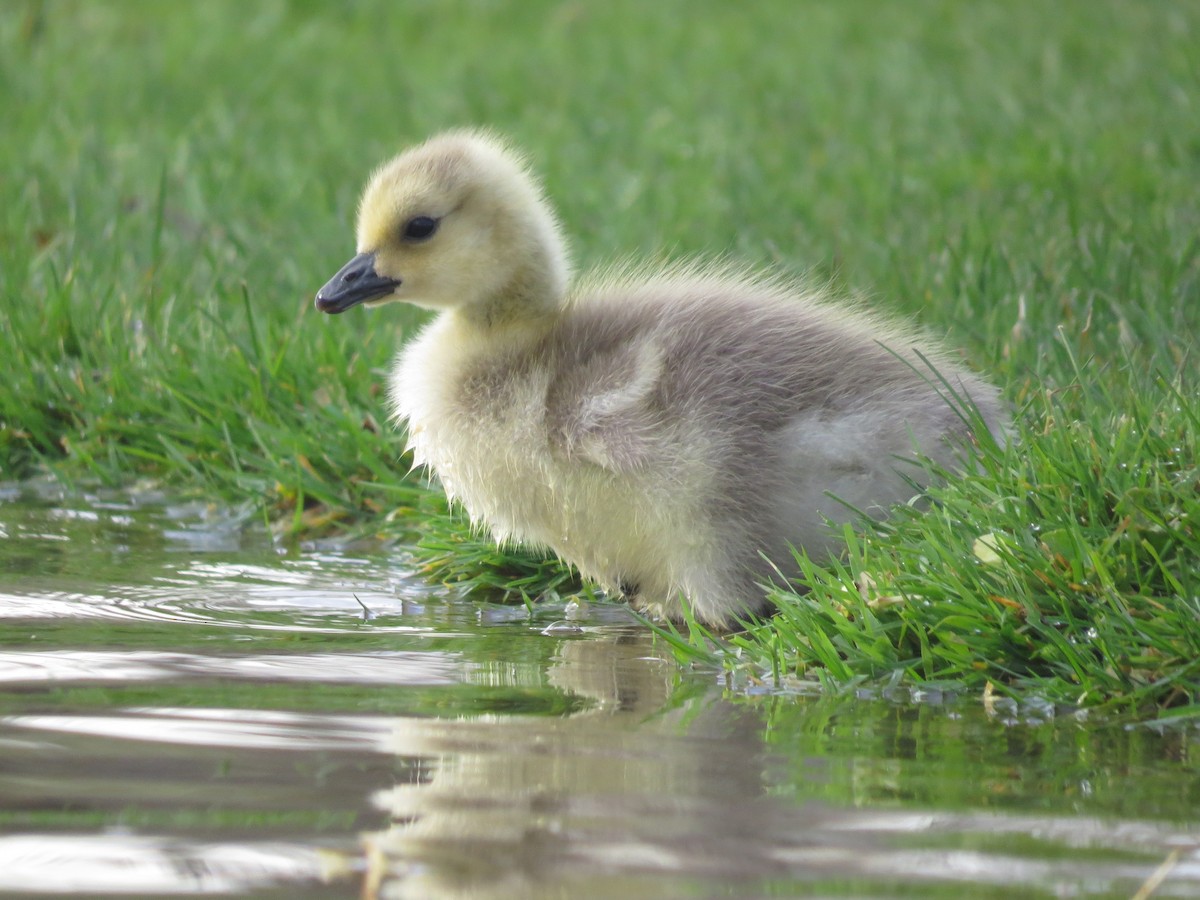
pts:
pixel 354 283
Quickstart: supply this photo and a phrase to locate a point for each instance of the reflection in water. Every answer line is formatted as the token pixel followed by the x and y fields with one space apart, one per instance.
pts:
pixel 655 785
pixel 179 719
pixel 643 787
pixel 512 806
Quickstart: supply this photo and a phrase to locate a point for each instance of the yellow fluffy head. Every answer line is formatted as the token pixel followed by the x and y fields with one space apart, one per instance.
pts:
pixel 458 222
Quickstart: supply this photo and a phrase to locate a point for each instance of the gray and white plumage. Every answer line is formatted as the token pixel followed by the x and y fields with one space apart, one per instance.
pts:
pixel 667 431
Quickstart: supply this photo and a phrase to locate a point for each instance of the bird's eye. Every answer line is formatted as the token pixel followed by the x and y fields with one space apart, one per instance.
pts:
pixel 420 228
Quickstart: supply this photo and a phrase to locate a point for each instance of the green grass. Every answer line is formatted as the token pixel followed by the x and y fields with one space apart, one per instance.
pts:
pixel 177 180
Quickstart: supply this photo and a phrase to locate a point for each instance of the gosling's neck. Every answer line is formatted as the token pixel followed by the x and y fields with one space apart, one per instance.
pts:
pixel 530 300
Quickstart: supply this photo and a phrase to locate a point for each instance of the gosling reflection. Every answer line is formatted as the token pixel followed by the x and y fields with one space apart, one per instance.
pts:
pixel 640 782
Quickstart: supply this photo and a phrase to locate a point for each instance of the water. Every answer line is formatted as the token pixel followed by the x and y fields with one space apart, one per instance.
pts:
pixel 184 709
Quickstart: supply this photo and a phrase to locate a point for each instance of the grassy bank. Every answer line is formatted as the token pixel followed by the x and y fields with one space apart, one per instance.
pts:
pixel 178 180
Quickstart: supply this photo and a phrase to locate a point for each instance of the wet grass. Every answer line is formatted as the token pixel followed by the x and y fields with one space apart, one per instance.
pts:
pixel 177 181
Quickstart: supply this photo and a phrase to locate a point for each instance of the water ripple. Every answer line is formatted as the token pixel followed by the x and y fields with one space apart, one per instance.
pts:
pixel 227 728
pixel 394 668
pixel 125 864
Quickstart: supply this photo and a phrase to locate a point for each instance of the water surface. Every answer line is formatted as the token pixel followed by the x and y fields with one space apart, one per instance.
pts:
pixel 187 709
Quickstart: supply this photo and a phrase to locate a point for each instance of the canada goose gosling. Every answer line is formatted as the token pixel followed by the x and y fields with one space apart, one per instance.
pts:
pixel 668 431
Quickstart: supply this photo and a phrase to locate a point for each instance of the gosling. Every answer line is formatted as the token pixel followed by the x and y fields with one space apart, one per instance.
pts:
pixel 672 432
